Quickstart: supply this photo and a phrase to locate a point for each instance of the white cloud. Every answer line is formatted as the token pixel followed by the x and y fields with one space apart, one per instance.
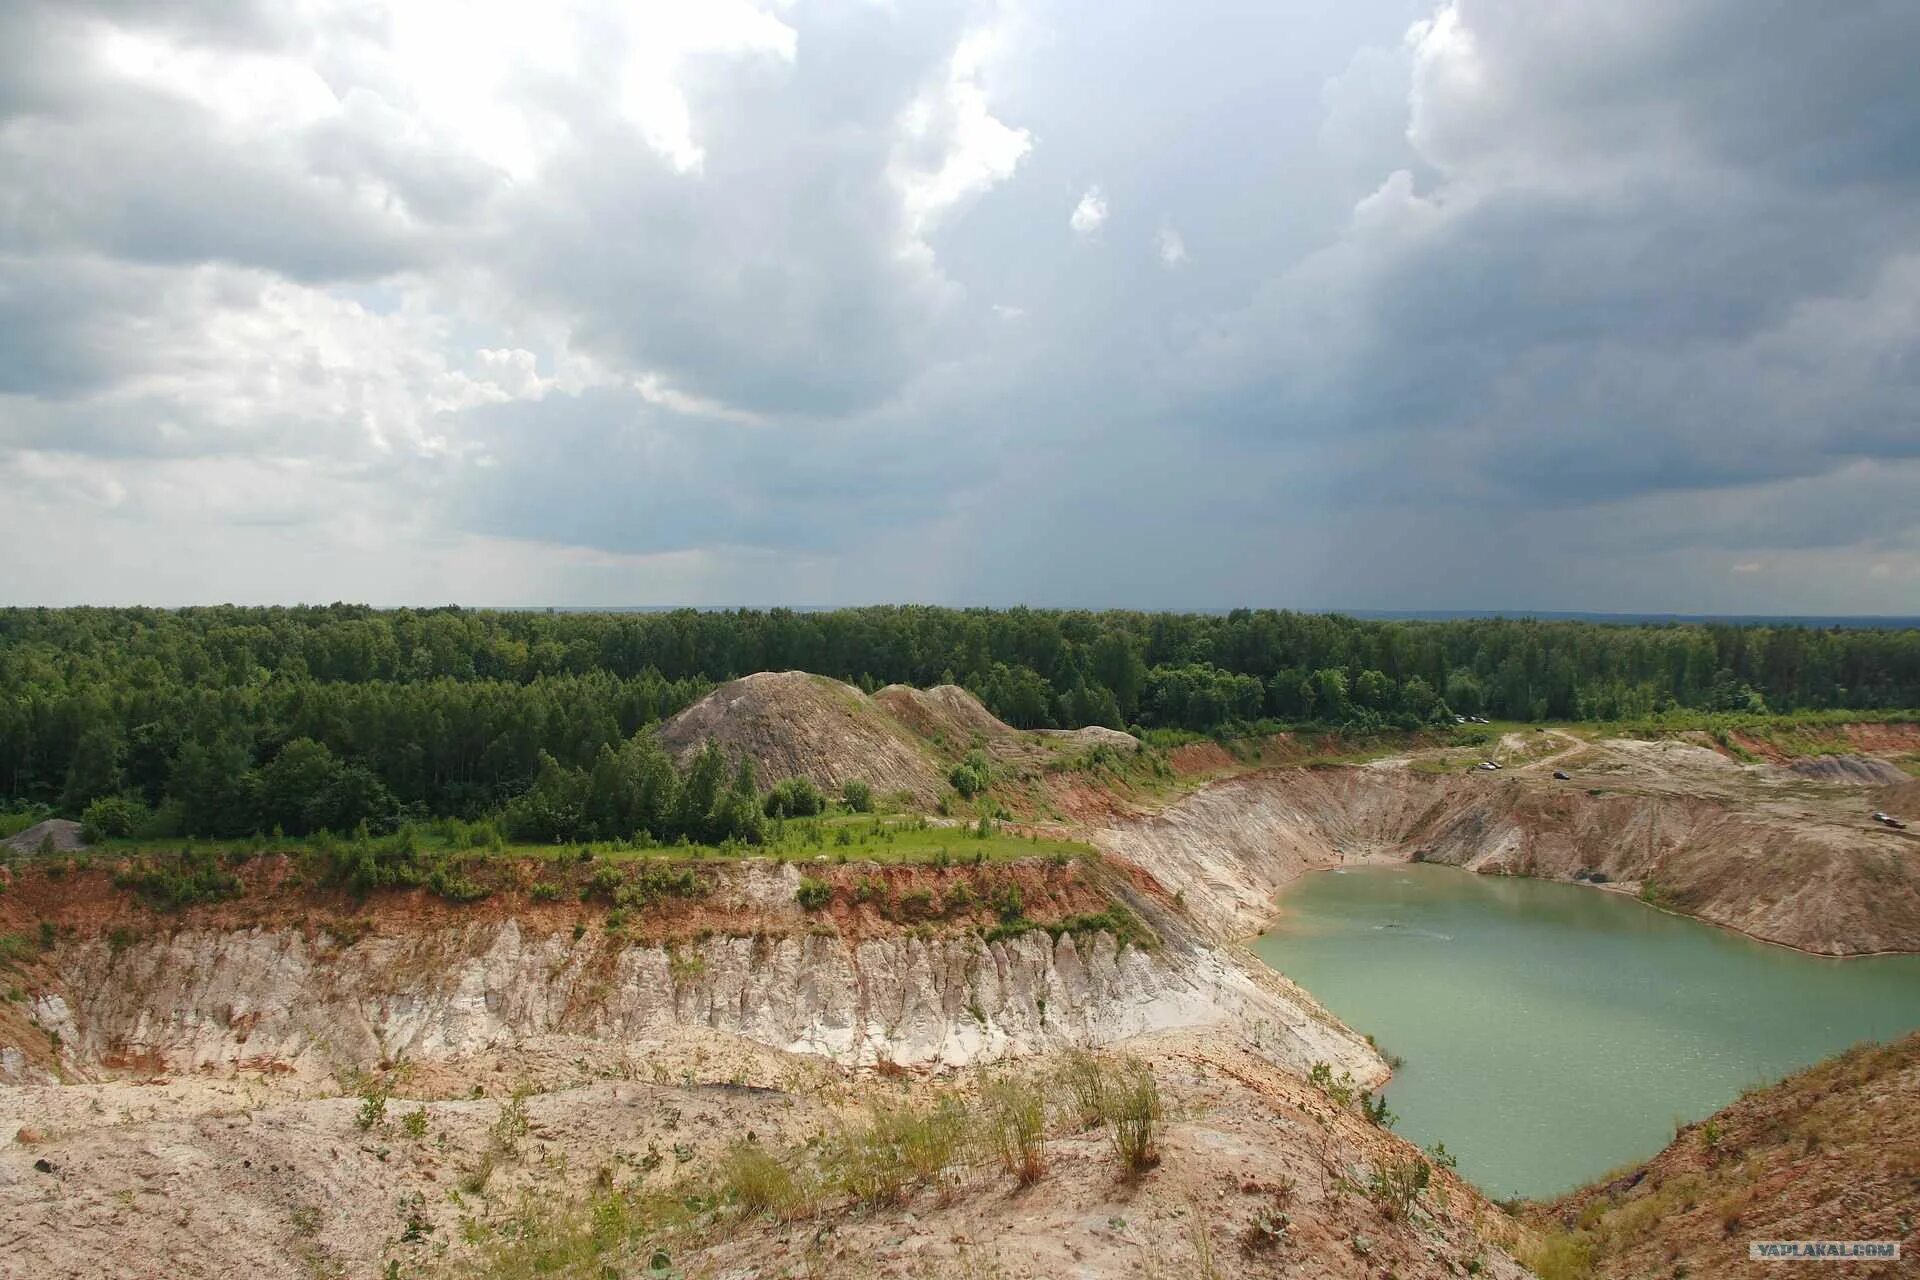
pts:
pixel 1090 214
pixel 953 147
pixel 1173 249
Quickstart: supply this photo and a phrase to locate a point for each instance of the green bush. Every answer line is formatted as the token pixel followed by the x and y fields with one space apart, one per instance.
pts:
pixel 813 894
pixel 113 818
pixel 1563 1256
pixel 857 796
pixel 794 798
pixel 972 775
pixel 1126 928
pixel 657 883
pixel 452 882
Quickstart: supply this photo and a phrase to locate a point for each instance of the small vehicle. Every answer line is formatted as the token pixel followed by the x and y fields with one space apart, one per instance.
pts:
pixel 1486 766
pixel 1561 774
pixel 1888 820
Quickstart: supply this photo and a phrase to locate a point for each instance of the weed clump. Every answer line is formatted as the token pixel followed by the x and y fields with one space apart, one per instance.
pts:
pixel 1133 1116
pixel 757 1183
pixel 1120 1094
pixel 1016 1129
pixel 374 1093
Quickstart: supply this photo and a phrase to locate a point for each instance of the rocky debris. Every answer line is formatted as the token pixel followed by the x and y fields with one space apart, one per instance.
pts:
pixel 60 834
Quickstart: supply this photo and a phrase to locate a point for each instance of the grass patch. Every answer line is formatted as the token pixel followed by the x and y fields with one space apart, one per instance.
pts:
pixel 408 857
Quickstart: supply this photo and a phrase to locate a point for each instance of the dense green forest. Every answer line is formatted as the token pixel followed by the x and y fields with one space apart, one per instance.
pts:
pixel 227 720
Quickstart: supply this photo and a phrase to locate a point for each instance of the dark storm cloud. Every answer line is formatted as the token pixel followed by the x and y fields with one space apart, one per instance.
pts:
pixel 1657 242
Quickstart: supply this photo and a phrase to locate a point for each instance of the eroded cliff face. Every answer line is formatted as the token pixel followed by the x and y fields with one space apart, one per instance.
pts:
pixel 280 998
pixel 1782 860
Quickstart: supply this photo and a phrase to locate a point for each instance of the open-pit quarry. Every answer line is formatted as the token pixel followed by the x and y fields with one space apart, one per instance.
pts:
pixel 568 1072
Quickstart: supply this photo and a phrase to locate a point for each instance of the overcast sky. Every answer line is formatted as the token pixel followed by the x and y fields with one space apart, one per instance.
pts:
pixel 1365 303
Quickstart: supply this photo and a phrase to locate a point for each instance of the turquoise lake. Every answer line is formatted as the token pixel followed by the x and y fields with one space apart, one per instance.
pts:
pixel 1552 1032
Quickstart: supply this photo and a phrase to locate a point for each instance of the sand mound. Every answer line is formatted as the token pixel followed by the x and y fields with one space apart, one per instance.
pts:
pixel 1862 771
pixel 795 725
pixel 64 834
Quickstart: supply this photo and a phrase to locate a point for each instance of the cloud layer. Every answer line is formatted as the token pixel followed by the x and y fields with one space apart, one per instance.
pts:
pixel 1489 304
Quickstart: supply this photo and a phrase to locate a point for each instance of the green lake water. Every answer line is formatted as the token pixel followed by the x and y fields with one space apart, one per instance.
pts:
pixel 1553 1032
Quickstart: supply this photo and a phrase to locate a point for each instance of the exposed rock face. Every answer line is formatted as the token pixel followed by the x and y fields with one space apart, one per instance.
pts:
pixel 204 998
pixel 1826 882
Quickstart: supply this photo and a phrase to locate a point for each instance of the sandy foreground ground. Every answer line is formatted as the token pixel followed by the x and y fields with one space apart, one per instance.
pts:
pixel 272 1177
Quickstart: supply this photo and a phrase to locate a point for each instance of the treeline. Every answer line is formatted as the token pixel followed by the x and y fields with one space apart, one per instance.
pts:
pixel 450 710
pixel 632 793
